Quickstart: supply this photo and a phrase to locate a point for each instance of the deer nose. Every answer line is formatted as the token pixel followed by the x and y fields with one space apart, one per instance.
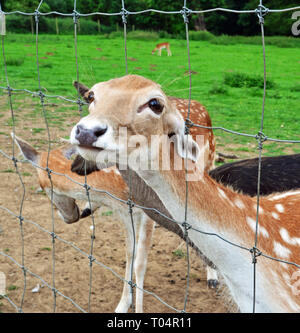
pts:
pixel 87 136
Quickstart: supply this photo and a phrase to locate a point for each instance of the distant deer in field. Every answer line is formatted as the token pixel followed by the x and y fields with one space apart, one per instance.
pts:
pixel 161 46
pixel 213 209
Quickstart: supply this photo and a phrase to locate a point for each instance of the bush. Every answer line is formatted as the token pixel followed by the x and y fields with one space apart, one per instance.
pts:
pixel 218 89
pixel 24 24
pixel 164 34
pixel 46 65
pixel 239 80
pixel 201 35
pixel 296 88
pixel 14 61
pixel 223 40
pixel 18 23
pixel 88 27
pixel 116 34
pixel 279 41
pixel 282 42
pixel 142 35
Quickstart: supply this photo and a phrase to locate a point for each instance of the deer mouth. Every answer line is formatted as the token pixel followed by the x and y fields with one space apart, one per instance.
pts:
pixel 91 148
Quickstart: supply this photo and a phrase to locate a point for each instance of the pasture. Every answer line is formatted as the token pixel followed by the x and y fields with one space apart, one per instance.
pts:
pixel 226 79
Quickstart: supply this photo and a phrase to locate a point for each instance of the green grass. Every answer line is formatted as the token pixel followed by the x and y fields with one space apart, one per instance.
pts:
pixel 12 287
pixel 26 174
pixel 37 130
pixel 46 249
pixel 108 213
pixel 179 254
pixel 228 79
pixel 8 171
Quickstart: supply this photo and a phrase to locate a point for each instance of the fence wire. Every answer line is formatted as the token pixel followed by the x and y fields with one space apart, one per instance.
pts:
pixel 261 11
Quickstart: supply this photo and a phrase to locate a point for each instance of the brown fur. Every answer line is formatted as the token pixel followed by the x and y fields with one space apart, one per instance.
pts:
pixel 231 220
pixel 228 213
pixel 111 182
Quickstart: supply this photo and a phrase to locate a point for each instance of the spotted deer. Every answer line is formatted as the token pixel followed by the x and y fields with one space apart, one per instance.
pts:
pixel 66 192
pixel 162 46
pixel 66 189
pixel 141 107
pixel 198 114
pixel 278 174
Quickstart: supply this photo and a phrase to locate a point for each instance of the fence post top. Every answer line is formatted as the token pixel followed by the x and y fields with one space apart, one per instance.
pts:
pixel 261 11
pixel 124 13
pixel 76 16
pixel 186 12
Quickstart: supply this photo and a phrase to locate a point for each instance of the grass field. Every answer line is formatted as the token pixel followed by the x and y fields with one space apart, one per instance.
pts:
pixel 227 79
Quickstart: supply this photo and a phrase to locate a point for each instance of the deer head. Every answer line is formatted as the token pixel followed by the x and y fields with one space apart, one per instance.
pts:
pixel 125 116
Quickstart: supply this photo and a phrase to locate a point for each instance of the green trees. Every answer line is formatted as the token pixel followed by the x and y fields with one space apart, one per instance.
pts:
pixel 215 22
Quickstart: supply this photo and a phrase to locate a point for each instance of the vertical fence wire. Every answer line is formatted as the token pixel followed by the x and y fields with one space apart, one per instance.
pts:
pixel 185 14
pixel 75 21
pixel 91 258
pixel 261 11
pixel 15 161
pixel 42 101
pixel 124 13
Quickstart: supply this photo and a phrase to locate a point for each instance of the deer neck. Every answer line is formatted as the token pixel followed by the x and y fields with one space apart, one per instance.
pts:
pixel 210 205
pixel 202 218
pixel 215 209
pixel 142 193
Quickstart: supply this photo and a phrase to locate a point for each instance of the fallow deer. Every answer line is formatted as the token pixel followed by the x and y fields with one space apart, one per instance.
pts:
pixel 278 174
pixel 141 107
pixel 65 193
pixel 162 46
pixel 198 114
pixel 66 190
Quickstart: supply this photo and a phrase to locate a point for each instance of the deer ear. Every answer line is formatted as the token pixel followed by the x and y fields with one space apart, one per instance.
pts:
pixel 26 149
pixel 81 88
pixel 186 147
pixel 174 123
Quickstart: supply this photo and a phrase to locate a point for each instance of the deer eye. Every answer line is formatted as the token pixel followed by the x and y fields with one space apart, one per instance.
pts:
pixel 155 106
pixel 89 97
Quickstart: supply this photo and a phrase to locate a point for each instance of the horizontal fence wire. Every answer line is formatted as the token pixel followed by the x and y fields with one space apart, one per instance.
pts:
pixel 152 10
pixel 138 206
pixel 261 11
pixel 11 90
pixel 97 262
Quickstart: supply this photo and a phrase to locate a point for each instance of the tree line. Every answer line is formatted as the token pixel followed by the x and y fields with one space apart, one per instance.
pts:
pixel 217 23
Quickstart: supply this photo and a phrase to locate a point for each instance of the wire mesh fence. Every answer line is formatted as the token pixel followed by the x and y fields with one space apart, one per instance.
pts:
pixel 261 11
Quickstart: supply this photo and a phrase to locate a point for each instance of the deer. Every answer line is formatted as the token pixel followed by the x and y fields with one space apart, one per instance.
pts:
pixel 139 106
pixel 199 114
pixel 278 174
pixel 64 192
pixel 161 46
